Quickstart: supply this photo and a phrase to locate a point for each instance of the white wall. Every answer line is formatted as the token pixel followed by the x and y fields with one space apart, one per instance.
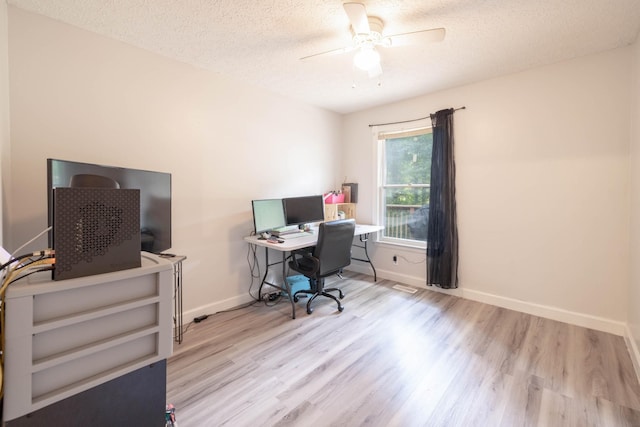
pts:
pixel 79 96
pixel 542 188
pixel 634 284
pixel 542 158
pixel 4 113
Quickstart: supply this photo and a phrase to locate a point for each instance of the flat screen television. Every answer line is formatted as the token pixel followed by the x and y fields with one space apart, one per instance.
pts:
pixel 268 214
pixel 303 210
pixel 155 195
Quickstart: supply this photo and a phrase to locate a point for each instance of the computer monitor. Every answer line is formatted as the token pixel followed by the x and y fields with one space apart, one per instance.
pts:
pixel 304 210
pixel 155 195
pixel 268 214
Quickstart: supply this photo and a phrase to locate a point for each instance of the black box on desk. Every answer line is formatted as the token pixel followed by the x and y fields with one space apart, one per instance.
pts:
pixel 95 231
pixel 352 189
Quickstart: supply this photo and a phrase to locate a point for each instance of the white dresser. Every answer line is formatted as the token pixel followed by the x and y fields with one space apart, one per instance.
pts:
pixel 63 338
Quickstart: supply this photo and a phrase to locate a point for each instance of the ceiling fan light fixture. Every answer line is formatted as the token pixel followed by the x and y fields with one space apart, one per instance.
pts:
pixel 366 33
pixel 366 58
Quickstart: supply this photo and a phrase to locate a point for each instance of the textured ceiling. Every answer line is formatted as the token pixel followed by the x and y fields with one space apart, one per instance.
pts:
pixel 261 41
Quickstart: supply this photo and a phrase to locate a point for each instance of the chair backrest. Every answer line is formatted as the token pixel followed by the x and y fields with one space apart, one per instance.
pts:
pixel 333 248
pixel 94 181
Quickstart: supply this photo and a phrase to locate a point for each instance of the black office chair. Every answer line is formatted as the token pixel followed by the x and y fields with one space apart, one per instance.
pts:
pixel 331 253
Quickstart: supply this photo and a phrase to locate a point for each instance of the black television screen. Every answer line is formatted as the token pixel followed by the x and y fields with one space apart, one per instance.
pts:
pixel 304 210
pixel 155 195
pixel 268 214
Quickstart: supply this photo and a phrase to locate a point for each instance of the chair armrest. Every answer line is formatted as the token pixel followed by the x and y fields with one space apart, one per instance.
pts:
pixel 303 261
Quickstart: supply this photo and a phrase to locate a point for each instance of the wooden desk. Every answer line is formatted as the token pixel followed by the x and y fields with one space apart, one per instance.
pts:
pixel 362 231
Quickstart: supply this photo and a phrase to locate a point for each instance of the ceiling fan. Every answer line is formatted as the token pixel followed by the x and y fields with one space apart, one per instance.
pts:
pixel 367 36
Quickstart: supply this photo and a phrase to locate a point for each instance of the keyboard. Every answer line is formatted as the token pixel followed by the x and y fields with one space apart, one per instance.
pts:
pixel 294 235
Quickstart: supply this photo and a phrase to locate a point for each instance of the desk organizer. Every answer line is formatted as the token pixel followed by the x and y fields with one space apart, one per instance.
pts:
pixel 333 198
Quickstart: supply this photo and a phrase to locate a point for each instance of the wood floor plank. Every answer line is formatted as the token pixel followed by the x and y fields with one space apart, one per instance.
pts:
pixel 397 359
pixel 522 408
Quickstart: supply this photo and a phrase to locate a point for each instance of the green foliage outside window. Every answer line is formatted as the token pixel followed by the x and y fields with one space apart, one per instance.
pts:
pixel 408 163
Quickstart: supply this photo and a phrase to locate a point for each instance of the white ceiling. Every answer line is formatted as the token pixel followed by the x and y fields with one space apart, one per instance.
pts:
pixel 261 41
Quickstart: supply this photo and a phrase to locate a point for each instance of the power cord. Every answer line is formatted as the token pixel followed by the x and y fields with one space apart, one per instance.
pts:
pixel 409 261
pixel 15 269
pixel 254 267
pixel 256 276
pixel 270 297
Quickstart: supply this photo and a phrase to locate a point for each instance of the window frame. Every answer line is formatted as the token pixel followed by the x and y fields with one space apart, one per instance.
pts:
pixel 381 185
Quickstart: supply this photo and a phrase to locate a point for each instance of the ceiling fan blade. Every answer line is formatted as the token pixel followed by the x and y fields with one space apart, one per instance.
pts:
pixel 421 36
pixel 329 52
pixel 358 17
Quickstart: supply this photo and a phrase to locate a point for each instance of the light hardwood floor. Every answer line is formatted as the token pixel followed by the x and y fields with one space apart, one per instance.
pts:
pixel 398 359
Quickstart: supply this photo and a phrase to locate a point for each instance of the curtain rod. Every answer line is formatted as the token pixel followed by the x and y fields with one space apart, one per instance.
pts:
pixel 413 120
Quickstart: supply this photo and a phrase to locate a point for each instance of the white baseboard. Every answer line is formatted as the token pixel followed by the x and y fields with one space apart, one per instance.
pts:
pixel 548 312
pixel 633 350
pixel 416 282
pixel 216 307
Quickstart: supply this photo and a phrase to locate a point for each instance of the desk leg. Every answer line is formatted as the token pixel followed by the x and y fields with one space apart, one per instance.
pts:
pixel 177 292
pixel 286 287
pixel 266 271
pixel 364 238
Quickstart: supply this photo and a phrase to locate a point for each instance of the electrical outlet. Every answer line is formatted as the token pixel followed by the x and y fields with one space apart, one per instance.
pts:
pixel 395 259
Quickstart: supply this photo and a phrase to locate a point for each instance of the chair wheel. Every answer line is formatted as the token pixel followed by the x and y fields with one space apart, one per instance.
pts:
pixel 340 308
pixel 295 298
pixel 309 310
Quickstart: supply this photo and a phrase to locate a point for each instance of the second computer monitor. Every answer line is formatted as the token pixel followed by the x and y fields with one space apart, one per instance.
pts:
pixel 304 210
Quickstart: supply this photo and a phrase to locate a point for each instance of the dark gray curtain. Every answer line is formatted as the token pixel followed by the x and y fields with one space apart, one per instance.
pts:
pixel 442 229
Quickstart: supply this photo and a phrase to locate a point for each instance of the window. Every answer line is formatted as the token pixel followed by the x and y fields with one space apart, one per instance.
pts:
pixel 404 175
